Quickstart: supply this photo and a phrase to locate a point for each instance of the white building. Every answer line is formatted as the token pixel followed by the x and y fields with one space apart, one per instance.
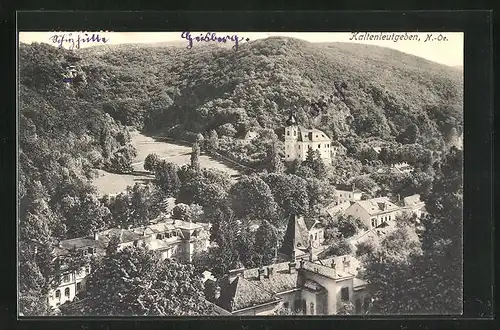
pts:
pixel 174 239
pixel 299 139
pixel 373 212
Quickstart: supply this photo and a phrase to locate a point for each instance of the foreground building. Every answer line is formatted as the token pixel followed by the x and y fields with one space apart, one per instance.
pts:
pixel 171 238
pixel 305 283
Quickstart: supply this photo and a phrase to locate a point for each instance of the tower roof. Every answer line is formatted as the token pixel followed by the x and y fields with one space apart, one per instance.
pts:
pixel 296 236
pixel 292 120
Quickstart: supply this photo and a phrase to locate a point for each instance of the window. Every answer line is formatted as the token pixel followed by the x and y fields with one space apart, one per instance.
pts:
pixel 296 305
pixel 90 250
pixel 174 233
pixel 304 307
pixel 311 308
pixel 294 133
pixel 389 218
pixel 373 222
pixel 299 146
pixel 319 146
pixel 66 292
pixel 358 306
pixel 79 286
pixel 66 278
pixel 344 293
pixel 288 133
pixel 136 243
pixel 58 294
pixel 286 304
pixel 366 303
pixel 316 236
pixel 311 237
pixel 159 236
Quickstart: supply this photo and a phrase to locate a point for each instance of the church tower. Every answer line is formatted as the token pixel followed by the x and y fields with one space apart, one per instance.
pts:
pixel 291 137
pixel 296 241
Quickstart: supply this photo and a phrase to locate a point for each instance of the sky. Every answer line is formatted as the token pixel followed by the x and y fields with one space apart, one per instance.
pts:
pixel 449 52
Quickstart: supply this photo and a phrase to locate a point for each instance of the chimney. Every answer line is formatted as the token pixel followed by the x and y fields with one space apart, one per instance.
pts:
pixel 234 273
pixel 334 267
pixel 353 186
pixel 291 267
pixel 346 263
pixel 269 271
pixel 96 236
pixel 261 273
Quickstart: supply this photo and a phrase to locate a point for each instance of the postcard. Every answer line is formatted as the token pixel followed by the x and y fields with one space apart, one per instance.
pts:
pixel 225 173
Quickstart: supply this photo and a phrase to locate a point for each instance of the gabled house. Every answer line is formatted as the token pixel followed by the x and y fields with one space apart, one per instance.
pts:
pixel 414 205
pixel 171 238
pixel 373 212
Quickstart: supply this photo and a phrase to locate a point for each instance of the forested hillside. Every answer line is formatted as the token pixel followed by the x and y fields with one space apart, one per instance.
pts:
pixel 376 91
pixel 355 93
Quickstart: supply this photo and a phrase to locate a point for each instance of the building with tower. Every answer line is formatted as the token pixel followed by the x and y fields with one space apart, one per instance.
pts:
pixel 301 281
pixel 298 140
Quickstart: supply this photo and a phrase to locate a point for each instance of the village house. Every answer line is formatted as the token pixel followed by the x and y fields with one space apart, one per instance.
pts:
pixel 402 168
pixel 303 283
pixel 373 212
pixel 414 205
pixel 171 238
pixel 343 194
pixel 298 140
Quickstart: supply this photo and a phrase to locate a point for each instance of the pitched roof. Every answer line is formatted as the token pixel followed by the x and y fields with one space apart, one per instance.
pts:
pixel 279 281
pixel 239 293
pixel 296 236
pixel 333 209
pixel 312 135
pixel 377 205
pixel 413 201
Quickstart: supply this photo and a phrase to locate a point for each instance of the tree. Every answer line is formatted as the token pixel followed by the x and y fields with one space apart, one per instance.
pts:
pixel 85 216
pixel 212 142
pixel 122 158
pixel 252 198
pixel 151 162
pixel 287 187
pixel 410 134
pixel 276 165
pixel 166 178
pixel 180 211
pixel 266 240
pixel 349 225
pixel 132 282
pixel 195 157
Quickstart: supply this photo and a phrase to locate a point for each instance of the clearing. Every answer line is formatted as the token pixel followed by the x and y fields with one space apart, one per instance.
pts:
pixel 112 183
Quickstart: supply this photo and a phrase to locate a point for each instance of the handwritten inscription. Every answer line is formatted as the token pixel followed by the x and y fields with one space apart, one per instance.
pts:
pixel 75 41
pixel 213 37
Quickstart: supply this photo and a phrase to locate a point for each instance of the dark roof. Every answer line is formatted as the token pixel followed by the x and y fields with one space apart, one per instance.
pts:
pixel 239 293
pixel 292 120
pixel 279 281
pixel 296 236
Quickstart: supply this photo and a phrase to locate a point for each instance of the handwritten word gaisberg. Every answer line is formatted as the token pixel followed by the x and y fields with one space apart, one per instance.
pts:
pixel 213 37
pixel 74 42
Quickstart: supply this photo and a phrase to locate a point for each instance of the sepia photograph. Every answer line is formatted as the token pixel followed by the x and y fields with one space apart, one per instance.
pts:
pixel 201 173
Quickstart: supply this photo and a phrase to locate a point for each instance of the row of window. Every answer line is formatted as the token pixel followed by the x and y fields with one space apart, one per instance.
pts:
pixel 166 235
pixel 315 237
pixel 384 219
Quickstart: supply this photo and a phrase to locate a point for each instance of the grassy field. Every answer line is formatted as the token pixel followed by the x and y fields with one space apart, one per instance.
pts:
pixel 111 183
